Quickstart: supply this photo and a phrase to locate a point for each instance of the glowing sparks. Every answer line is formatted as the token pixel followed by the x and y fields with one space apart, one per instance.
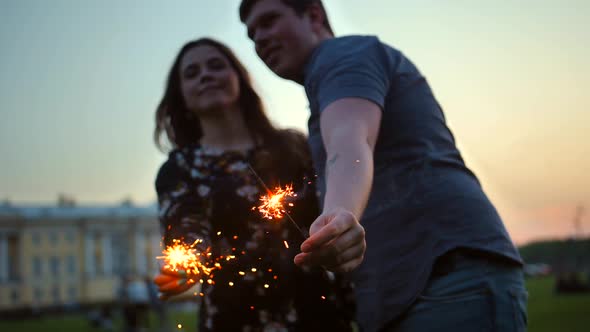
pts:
pixel 286 244
pixel 186 257
pixel 273 204
pixel 179 326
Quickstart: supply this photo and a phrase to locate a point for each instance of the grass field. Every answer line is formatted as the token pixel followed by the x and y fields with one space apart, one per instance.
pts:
pixel 551 312
pixel 547 312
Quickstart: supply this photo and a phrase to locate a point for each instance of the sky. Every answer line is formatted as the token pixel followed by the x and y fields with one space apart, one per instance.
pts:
pixel 80 81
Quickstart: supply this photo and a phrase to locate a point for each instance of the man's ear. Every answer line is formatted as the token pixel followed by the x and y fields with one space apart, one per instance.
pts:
pixel 317 17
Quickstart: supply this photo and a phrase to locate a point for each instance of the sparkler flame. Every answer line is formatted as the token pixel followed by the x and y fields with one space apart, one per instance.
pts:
pixel 273 204
pixel 182 256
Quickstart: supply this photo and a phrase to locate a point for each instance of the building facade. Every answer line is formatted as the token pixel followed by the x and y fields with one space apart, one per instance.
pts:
pixel 55 257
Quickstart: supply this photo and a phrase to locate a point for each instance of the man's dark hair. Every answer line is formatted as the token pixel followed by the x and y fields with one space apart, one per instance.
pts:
pixel 299 6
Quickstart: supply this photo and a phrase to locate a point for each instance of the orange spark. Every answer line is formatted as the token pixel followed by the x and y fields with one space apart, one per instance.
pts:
pixel 272 206
pixel 182 256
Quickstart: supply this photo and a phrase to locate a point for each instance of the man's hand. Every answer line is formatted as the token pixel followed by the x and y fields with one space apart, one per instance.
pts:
pixel 336 242
pixel 172 283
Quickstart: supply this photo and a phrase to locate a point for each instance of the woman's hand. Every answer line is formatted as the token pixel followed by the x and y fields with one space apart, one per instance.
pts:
pixel 172 283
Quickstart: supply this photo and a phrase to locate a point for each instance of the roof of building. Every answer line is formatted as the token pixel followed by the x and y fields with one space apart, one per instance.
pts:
pixel 76 212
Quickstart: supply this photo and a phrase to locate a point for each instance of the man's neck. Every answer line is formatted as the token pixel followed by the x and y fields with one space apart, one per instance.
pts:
pixel 300 79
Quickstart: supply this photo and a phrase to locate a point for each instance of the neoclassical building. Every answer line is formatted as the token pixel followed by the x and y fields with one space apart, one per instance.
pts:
pixel 59 256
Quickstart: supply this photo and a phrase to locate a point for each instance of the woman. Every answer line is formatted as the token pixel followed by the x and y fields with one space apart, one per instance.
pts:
pixel 215 122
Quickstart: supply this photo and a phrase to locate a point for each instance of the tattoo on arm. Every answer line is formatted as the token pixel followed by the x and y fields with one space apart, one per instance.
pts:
pixel 331 162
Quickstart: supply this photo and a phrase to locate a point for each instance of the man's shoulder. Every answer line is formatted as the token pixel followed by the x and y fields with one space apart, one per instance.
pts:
pixel 349 43
pixel 346 48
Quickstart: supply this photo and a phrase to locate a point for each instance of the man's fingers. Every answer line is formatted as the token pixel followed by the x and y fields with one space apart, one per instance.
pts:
pixel 355 236
pixel 300 259
pixel 348 266
pixel 348 246
pixel 344 259
pixel 329 257
pixel 328 233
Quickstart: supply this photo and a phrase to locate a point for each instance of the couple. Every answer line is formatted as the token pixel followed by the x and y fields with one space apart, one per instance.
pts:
pixel 399 212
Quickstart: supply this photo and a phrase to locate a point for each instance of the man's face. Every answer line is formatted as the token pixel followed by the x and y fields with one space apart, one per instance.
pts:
pixel 283 40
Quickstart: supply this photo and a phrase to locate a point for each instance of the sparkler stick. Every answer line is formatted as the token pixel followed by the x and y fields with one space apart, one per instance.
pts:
pixel 270 195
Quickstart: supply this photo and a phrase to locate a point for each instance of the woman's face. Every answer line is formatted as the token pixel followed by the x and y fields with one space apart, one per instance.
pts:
pixel 207 79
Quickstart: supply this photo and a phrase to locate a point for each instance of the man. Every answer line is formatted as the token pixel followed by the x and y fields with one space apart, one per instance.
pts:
pixel 401 210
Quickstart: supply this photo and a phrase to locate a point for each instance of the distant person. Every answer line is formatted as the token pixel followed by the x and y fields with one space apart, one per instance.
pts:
pixel 400 209
pixel 135 304
pixel 157 305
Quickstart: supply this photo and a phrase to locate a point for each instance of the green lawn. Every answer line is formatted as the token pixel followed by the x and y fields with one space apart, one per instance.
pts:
pixel 77 323
pixel 551 312
pixel 547 312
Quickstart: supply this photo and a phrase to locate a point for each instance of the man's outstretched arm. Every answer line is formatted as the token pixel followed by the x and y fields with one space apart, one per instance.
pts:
pixel 349 128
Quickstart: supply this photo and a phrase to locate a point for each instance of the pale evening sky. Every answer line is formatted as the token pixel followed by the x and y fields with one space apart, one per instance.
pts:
pixel 80 81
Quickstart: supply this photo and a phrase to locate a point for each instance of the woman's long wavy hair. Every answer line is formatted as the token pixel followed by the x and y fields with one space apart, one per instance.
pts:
pixel 287 149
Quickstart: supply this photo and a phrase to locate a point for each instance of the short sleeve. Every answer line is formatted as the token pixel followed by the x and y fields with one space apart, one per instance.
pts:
pixel 357 68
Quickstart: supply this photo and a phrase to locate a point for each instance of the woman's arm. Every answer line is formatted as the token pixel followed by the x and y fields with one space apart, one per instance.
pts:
pixel 181 216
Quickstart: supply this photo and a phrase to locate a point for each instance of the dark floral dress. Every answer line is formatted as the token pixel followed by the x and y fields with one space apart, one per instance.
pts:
pixel 209 194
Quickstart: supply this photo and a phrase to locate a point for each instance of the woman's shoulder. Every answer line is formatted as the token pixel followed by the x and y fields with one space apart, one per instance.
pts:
pixel 171 171
pixel 292 136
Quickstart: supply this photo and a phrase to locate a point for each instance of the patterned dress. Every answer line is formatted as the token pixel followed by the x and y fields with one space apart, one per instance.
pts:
pixel 209 194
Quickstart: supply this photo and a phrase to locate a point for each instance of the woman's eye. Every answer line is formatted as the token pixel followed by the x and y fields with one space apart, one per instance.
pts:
pixel 190 73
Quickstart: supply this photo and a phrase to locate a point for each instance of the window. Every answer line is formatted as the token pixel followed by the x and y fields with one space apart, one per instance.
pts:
pixel 53 238
pixel 71 265
pixel 72 293
pixel 38 293
pixel 98 254
pixel 37 266
pixel 13 258
pixel 54 266
pixel 36 238
pixel 121 253
pixel 14 296
pixel 70 236
pixel 55 293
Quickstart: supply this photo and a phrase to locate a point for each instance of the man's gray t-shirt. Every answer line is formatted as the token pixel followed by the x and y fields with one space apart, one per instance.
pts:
pixel 424 201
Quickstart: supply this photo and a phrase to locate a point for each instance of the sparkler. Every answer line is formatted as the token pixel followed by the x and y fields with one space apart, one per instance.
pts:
pixel 182 256
pixel 273 203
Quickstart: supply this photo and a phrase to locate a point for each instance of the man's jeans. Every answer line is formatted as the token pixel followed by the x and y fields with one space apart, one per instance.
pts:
pixel 474 294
